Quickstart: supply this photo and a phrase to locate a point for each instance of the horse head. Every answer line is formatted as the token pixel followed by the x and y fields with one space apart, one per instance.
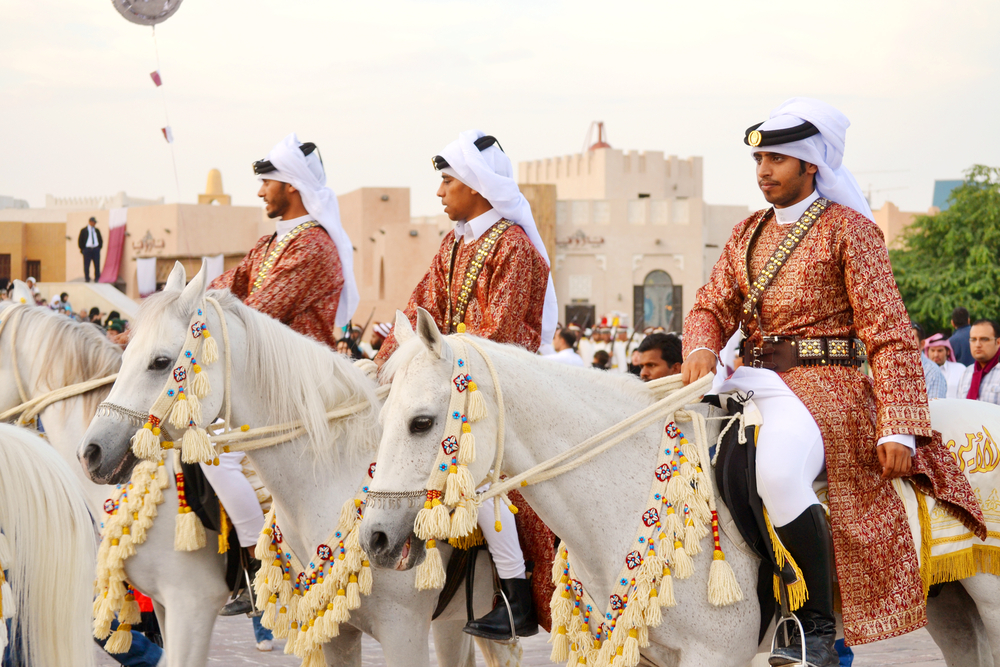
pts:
pixel 420 424
pixel 158 338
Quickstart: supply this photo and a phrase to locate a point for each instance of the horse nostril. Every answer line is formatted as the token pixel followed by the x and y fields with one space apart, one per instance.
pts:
pixel 379 542
pixel 92 456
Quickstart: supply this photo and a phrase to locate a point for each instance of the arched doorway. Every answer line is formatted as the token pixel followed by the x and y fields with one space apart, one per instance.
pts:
pixel 658 293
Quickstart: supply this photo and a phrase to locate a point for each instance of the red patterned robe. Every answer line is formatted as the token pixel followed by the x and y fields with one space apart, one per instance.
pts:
pixel 839 283
pixel 508 298
pixel 302 289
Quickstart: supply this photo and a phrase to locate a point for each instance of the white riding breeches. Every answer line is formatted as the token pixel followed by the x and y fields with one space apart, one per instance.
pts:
pixel 790 453
pixel 237 496
pixel 504 546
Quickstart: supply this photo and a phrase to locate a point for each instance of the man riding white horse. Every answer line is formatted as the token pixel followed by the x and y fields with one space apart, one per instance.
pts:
pixel 809 285
pixel 490 278
pixel 301 275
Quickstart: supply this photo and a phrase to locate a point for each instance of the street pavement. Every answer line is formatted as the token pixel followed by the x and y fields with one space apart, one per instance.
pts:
pixel 233 646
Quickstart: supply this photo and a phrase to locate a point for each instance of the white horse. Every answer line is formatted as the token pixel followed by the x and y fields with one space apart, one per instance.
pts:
pixel 52 351
pixel 47 549
pixel 549 408
pixel 280 376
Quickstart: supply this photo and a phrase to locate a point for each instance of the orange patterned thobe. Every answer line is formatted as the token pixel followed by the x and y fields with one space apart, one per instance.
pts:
pixel 302 289
pixel 509 293
pixel 839 283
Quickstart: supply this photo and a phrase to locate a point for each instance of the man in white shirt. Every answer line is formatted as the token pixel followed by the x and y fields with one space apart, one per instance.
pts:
pixel 564 353
pixel 938 349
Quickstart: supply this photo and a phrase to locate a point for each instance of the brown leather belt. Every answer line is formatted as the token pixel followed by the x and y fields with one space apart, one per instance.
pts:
pixel 781 353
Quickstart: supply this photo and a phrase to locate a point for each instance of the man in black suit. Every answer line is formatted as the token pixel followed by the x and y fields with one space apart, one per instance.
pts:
pixel 90 243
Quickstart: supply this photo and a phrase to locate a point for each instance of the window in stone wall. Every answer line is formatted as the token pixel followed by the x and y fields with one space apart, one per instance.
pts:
pixel 33 269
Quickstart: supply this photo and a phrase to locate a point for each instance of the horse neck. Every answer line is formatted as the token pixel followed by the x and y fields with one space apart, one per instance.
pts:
pixel 309 491
pixel 550 408
pixel 65 423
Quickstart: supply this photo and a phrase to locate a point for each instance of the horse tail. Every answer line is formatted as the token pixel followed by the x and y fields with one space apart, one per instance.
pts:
pixel 50 544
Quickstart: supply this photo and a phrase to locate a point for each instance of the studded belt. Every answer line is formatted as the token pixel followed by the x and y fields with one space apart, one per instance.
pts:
pixel 782 353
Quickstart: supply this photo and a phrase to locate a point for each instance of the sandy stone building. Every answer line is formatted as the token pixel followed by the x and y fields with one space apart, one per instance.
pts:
pixel 633 233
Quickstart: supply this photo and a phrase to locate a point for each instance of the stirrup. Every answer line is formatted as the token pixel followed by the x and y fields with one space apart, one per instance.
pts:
pixel 791 618
pixel 510 617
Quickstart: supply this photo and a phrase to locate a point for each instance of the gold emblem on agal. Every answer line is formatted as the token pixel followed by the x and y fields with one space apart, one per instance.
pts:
pixel 754 138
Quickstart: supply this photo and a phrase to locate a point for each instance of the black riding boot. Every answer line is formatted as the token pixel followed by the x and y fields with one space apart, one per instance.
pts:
pixel 242 602
pixel 808 539
pixel 496 624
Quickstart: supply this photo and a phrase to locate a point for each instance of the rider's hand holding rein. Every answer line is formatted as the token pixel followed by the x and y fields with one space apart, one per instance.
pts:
pixel 697 365
pixel 895 459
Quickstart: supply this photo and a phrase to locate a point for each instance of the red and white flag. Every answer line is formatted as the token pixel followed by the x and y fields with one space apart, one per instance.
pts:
pixel 168 134
pixel 155 76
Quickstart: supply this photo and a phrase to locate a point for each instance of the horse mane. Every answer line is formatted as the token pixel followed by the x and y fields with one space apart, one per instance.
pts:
pixel 67 352
pixel 621 383
pixel 48 550
pixel 296 377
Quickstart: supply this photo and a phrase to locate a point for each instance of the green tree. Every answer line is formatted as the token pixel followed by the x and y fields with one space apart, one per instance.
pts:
pixel 953 258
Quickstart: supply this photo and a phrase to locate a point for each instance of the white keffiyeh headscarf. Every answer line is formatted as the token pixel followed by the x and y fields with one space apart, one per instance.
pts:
pixel 490 173
pixel 825 150
pixel 306 174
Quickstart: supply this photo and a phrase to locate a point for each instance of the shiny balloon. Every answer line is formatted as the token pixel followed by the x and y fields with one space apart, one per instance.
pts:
pixel 146 12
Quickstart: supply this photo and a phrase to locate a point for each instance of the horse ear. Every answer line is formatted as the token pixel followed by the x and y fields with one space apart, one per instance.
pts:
pixel 177 279
pixel 428 331
pixel 194 293
pixel 402 330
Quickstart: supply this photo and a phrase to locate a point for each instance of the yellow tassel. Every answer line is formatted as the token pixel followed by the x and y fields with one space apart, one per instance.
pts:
pixel 194 405
pixel 281 624
pixel 723 589
pixel 365 578
pixel 270 612
pixel 652 616
pixel 452 487
pixel 467 447
pixel 430 573
pixel 121 639
pixel 189 533
pixel 692 544
pixel 560 646
pixel 223 531
pixel 630 649
pixel 339 611
pixel 209 348
pixel 130 612
pixel 180 415
pixel 797 592
pixel 145 445
pixel 196 447
pixel 683 567
pixel 666 593
pixel 477 403
pixel 354 592
pixel 200 385
pixel 293 636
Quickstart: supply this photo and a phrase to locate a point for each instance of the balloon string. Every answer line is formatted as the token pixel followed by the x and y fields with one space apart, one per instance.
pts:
pixel 166 116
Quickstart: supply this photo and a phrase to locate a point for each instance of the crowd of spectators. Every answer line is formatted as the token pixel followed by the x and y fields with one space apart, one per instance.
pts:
pixel 110 322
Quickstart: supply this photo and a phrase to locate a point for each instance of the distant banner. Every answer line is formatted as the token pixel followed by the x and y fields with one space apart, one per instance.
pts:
pixel 145 275
pixel 168 134
pixel 117 219
pixel 216 267
pixel 155 76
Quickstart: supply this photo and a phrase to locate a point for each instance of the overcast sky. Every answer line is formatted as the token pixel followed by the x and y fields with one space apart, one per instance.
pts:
pixel 382 86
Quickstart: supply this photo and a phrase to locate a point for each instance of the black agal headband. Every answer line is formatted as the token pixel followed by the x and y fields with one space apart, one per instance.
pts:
pixel 265 166
pixel 482 143
pixel 755 137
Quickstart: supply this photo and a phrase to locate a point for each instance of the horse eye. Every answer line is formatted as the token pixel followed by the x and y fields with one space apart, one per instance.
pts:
pixel 421 424
pixel 159 364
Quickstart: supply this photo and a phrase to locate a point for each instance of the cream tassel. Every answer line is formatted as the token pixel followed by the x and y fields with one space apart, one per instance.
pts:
pixel 195 407
pixel 365 578
pixel 666 592
pixel 196 447
pixel 340 611
pixel 209 348
pixel 281 624
pixel 477 404
pixel 189 533
pixel 354 593
pixel 723 589
pixel 200 384
pixel 270 612
pixel 630 649
pixel 430 573
pixel 264 539
pixel 180 415
pixel 452 487
pixel 162 478
pixel 121 639
pixel 653 616
pixel 146 443
pixel 692 543
pixel 293 635
pixel 467 446
pixel 130 612
pixel 560 645
pixel 683 567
